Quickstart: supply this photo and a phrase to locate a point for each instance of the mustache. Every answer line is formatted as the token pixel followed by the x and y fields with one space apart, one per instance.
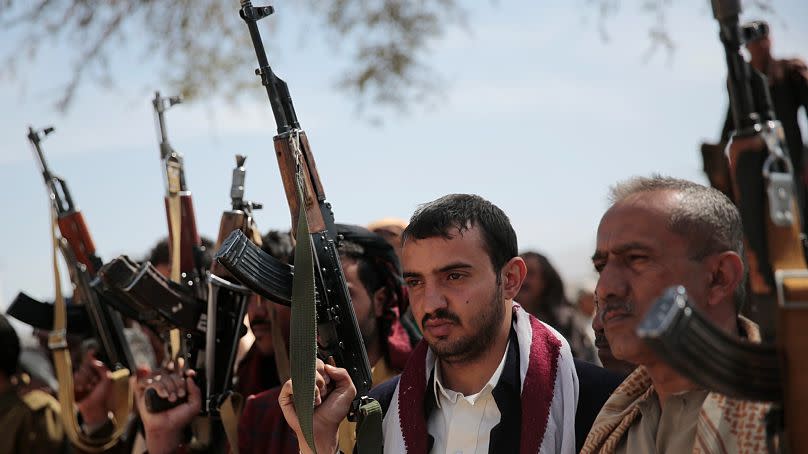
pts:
pixel 622 307
pixel 259 322
pixel 441 314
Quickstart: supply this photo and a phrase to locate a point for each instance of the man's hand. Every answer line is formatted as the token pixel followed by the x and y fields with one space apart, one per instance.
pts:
pixel 93 383
pixel 332 400
pixel 164 431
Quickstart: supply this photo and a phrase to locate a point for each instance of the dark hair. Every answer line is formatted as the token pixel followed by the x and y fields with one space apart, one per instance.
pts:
pixel 159 254
pixel 9 347
pixel 463 212
pixel 278 244
pixel 378 267
pixel 553 293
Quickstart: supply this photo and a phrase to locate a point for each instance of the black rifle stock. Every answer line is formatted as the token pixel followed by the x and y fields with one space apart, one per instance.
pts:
pixel 338 332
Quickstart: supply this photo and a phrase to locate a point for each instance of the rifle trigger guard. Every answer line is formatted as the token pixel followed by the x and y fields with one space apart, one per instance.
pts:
pixel 779 190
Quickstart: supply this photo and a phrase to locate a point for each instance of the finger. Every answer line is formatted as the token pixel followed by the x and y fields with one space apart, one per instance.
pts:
pixel 287 403
pixel 194 393
pixel 178 381
pixel 344 388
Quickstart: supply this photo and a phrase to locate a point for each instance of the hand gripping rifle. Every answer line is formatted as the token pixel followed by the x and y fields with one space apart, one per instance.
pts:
pixel 210 330
pixel 764 189
pixel 76 246
pixel 319 286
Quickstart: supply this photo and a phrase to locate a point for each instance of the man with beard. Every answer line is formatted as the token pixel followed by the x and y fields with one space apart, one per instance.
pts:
pixel 661 232
pixel 487 376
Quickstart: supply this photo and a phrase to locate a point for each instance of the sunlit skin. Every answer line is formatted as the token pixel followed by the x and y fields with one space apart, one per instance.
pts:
pixel 604 350
pixel 637 258
pixel 453 290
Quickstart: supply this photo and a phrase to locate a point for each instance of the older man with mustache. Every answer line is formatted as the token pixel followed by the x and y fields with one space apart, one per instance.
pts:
pixel 661 232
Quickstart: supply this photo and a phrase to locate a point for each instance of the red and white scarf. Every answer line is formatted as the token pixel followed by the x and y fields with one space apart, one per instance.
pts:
pixel 549 393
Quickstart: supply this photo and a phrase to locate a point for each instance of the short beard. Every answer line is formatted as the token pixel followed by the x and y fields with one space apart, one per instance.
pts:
pixel 471 347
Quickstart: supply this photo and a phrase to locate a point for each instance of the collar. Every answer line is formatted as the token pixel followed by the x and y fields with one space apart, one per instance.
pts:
pixel 440 390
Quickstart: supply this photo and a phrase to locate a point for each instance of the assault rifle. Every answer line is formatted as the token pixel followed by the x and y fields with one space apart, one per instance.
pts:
pixel 78 250
pixel 210 329
pixel 337 333
pixel 185 245
pixel 764 189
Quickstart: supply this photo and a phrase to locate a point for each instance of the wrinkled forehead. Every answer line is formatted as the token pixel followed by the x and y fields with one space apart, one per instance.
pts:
pixel 639 216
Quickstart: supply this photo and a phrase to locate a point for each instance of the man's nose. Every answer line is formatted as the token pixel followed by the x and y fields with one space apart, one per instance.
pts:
pixel 434 298
pixel 612 285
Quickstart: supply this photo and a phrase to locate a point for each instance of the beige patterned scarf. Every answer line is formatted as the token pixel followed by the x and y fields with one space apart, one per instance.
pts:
pixel 725 426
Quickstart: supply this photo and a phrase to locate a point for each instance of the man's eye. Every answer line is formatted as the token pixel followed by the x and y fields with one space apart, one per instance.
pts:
pixel 412 282
pixel 599 266
pixel 454 276
pixel 634 258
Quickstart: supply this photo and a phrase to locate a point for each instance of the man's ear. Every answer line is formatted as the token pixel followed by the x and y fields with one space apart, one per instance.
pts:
pixel 379 300
pixel 726 274
pixel 512 275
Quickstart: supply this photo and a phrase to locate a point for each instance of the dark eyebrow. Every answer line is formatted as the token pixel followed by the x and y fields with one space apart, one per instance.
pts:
pixel 407 274
pixel 454 266
pixel 621 249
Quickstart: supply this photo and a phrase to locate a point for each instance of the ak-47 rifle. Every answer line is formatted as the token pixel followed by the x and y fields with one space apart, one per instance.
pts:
pixel 77 247
pixel 210 330
pixel 185 245
pixel 764 189
pixel 319 285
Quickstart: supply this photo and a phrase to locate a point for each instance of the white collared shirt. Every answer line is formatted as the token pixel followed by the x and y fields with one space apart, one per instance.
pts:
pixel 462 424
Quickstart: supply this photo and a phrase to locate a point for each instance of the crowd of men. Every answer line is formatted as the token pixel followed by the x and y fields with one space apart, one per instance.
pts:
pixel 474 346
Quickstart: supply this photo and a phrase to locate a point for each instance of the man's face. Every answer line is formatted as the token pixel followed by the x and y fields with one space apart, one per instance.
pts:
pixel 533 286
pixel 364 307
pixel 637 258
pixel 258 315
pixel 454 293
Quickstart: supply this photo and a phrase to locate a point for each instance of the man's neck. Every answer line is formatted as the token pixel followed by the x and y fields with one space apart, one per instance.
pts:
pixel 667 382
pixel 469 377
pixel 374 351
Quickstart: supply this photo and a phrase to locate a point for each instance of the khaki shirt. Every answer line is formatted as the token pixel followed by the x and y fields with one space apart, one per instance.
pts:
pixel 30 424
pixel 669 430
pixel 380 373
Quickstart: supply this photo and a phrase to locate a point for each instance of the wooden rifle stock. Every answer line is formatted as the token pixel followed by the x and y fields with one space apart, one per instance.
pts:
pixel 313 189
pixel 190 242
pixel 74 229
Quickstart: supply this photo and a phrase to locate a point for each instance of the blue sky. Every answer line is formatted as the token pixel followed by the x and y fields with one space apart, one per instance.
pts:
pixel 538 114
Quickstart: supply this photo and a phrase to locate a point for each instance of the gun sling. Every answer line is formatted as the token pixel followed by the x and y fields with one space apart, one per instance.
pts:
pixel 57 343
